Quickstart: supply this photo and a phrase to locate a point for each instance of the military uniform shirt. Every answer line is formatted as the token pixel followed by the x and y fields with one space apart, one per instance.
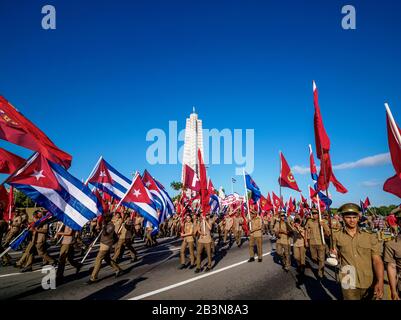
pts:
pixel 357 252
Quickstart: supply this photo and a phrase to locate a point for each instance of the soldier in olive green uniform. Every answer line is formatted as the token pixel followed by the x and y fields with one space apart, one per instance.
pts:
pixel 255 236
pixel 299 245
pixel 187 241
pixel 39 236
pixel 362 269
pixel 15 228
pixel 204 243
pixel 315 242
pixel 237 225
pixel 125 240
pixel 106 243
pixel 282 232
pixel 392 257
pixel 228 227
pixel 66 252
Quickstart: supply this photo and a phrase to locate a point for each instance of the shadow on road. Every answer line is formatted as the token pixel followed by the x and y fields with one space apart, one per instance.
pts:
pixel 116 290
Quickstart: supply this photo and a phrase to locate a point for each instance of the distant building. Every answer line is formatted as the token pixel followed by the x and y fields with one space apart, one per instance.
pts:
pixel 193 141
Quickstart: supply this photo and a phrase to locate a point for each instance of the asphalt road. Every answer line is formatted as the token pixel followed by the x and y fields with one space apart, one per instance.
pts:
pixel 156 276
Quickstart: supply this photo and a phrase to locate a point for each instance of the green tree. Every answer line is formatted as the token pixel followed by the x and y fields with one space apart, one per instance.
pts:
pixel 21 200
pixel 176 185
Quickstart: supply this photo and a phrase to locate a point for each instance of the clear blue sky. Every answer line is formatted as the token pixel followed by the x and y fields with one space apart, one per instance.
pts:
pixel 113 70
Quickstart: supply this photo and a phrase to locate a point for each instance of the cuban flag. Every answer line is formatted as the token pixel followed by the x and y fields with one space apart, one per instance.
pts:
pixel 52 187
pixel 153 188
pixel 169 205
pixel 314 176
pixel 108 179
pixel 252 186
pixel 139 198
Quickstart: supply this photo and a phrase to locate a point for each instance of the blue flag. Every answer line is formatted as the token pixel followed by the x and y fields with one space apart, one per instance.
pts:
pixel 252 186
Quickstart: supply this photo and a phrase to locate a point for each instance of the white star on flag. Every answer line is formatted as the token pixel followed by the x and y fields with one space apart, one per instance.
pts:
pixel 102 173
pixel 37 174
pixel 136 193
pixel 147 184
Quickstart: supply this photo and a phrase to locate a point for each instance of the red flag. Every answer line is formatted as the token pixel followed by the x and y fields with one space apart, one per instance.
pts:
pixel 17 129
pixel 191 180
pixel 263 203
pixel 393 184
pixel 286 177
pixel 322 141
pixel 245 223
pixel 9 162
pixel 36 172
pixel 205 196
pixel 367 202
pixel 321 138
pixel 278 203
pixel 211 188
pixel 4 199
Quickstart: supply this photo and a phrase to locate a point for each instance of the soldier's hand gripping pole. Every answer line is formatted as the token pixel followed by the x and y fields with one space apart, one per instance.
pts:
pixel 91 246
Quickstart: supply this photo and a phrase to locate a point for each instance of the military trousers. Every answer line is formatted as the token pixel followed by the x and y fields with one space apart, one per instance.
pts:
pixel 299 255
pixel 103 254
pixel 40 248
pixel 284 251
pixel 318 253
pixel 238 235
pixel 66 254
pixel 10 235
pixel 190 244
pixel 22 261
pixel 357 294
pixel 120 248
pixel 227 233
pixel 258 241
pixel 199 250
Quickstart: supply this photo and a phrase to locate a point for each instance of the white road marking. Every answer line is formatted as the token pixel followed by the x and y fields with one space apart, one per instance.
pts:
pixel 16 274
pixel 151 293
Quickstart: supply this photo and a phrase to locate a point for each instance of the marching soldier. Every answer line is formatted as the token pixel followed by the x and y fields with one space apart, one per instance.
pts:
pixel 283 245
pixel 255 236
pixel 138 225
pixel 66 253
pixel 204 242
pixel 359 253
pixel 187 241
pixel 315 241
pixel 392 257
pixel 265 221
pixel 15 228
pixel 299 245
pixel 228 227
pixel 39 236
pixel 3 230
pixel 106 243
pixel 238 221
pixel 149 241
pixel 125 240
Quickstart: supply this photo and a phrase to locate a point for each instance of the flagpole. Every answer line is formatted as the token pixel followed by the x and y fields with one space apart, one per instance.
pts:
pixel 279 177
pixel 232 186
pixel 393 124
pixel 320 218
pixel 246 199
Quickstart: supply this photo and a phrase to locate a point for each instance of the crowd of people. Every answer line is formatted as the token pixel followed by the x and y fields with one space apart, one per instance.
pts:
pixel 358 241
